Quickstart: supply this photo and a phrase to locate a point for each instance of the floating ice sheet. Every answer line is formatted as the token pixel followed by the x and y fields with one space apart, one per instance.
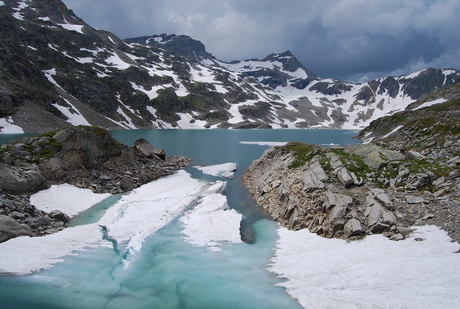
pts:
pixel 127 224
pixel 226 170
pixel 212 222
pixel 262 143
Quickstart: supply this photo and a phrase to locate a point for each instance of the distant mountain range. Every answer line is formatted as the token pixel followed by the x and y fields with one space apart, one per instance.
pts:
pixel 56 70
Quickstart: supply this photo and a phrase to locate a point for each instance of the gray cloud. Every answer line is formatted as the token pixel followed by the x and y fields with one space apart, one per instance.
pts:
pixel 346 39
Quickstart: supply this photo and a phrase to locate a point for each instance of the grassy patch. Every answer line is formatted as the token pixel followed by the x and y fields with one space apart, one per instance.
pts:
pixel 302 152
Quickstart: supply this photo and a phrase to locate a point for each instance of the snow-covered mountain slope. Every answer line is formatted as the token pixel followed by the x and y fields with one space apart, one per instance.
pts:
pixel 55 70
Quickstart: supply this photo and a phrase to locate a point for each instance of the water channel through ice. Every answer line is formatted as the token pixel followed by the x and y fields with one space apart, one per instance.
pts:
pixel 177 243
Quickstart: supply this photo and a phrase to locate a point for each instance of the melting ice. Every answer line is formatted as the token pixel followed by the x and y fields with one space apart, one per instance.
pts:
pixel 175 243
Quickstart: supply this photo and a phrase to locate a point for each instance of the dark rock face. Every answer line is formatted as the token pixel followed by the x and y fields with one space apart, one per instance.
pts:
pixel 87 157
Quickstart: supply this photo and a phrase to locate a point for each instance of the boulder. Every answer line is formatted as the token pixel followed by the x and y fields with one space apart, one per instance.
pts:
pixel 59 215
pixel 418 180
pixel 352 228
pixel 160 153
pixel 144 148
pixel 375 161
pixel 19 180
pixel 85 146
pixel 345 177
pixel 381 196
pixel 9 228
pixel 412 154
pixel 379 219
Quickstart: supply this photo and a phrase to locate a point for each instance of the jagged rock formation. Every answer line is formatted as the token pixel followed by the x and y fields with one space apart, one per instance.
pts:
pixel 56 70
pixel 87 157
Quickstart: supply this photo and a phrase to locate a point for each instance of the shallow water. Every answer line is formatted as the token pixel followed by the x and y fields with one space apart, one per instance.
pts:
pixel 169 272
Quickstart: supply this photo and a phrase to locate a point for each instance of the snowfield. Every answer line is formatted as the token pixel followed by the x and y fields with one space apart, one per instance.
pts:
pixel 419 272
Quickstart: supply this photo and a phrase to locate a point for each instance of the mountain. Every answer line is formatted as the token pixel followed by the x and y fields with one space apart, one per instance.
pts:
pixel 423 122
pixel 56 70
pixel 176 44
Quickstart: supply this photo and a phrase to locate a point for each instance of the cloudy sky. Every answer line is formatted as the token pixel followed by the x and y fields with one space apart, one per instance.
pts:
pixel 353 40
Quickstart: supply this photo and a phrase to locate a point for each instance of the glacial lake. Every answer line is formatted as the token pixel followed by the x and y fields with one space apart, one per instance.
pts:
pixel 170 272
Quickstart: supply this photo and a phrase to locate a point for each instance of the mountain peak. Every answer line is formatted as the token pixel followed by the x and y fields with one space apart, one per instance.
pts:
pixel 290 62
pixel 177 44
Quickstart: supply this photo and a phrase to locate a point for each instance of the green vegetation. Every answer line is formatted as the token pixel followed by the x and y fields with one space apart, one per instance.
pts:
pixel 302 152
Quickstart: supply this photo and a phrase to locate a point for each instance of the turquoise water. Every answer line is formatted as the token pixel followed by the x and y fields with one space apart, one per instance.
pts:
pixel 170 272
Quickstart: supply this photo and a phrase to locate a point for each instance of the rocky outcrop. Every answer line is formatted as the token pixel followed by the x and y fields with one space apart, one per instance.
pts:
pixel 87 157
pixel 353 191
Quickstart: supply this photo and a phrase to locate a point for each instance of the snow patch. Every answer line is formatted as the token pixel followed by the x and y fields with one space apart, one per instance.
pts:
pixel 372 273
pixel 188 122
pixel 7 126
pixel 430 103
pixel 393 131
pixel 66 198
pixel 74 116
pixel 71 27
pixel 115 61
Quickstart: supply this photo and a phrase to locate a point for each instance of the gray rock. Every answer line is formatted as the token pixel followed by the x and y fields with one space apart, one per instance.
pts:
pixel 381 196
pixel 16 215
pixel 397 237
pixel 9 228
pixel 53 169
pixel 21 180
pixel 418 180
pixel 314 176
pixel 377 215
pixel 392 155
pixel 379 228
pixel 353 227
pixel 59 215
pixel 412 154
pixel 127 185
pixel 374 160
pixel 144 148
pixel 345 177
pixel 405 230
pixel 411 199
pixel 160 153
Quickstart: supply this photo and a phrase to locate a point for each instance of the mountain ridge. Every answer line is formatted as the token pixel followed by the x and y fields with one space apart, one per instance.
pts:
pixel 56 70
